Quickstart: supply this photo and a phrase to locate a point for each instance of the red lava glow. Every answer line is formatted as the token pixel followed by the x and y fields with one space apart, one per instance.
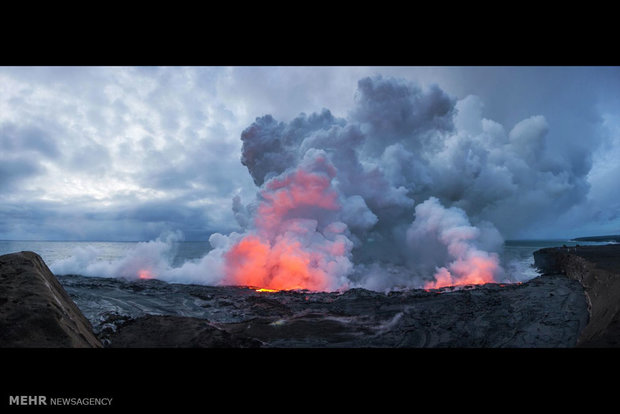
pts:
pixel 284 253
pixel 476 270
pixel 145 274
pixel 283 266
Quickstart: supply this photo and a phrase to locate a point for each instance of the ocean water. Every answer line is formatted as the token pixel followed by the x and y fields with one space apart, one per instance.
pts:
pixel 516 259
pixel 54 251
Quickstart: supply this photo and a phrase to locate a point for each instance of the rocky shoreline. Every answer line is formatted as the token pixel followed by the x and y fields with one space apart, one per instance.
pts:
pixel 574 303
pixel 597 269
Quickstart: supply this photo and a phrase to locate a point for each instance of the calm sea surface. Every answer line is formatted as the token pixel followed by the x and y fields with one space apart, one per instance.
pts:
pixel 52 251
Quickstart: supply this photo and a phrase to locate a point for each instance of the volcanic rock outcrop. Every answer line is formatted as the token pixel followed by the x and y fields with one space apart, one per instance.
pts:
pixel 35 310
pixel 597 268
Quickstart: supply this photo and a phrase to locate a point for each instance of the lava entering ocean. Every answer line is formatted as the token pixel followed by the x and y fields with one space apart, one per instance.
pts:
pixel 477 271
pixel 335 207
pixel 291 247
pixel 403 193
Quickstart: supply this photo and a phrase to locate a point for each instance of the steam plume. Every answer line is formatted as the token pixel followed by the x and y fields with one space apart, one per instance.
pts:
pixel 410 190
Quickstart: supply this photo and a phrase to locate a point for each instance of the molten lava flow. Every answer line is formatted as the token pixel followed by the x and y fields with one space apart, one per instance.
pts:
pixel 145 274
pixel 282 266
pixel 267 290
pixel 476 270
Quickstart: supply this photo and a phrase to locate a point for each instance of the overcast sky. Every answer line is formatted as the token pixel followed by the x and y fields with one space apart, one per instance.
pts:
pixel 125 153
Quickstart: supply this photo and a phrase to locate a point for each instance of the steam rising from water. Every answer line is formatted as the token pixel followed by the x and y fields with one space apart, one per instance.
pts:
pixel 411 190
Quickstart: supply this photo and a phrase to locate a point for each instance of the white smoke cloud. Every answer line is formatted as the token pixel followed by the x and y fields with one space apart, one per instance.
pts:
pixel 445 239
pixel 145 260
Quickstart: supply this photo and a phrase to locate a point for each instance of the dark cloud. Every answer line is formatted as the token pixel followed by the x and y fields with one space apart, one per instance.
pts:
pixel 270 147
pixel 12 171
pixel 21 150
pixel 30 139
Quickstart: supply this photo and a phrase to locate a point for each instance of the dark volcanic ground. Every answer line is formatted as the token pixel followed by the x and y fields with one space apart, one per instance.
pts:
pixel 548 311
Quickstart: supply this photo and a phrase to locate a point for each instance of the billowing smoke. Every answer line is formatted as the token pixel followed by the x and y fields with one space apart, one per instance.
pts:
pixel 444 238
pixel 377 166
pixel 412 189
pixel 297 239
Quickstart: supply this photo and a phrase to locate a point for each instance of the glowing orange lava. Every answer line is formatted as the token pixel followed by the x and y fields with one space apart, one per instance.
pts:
pixel 476 270
pixel 145 274
pixel 284 265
